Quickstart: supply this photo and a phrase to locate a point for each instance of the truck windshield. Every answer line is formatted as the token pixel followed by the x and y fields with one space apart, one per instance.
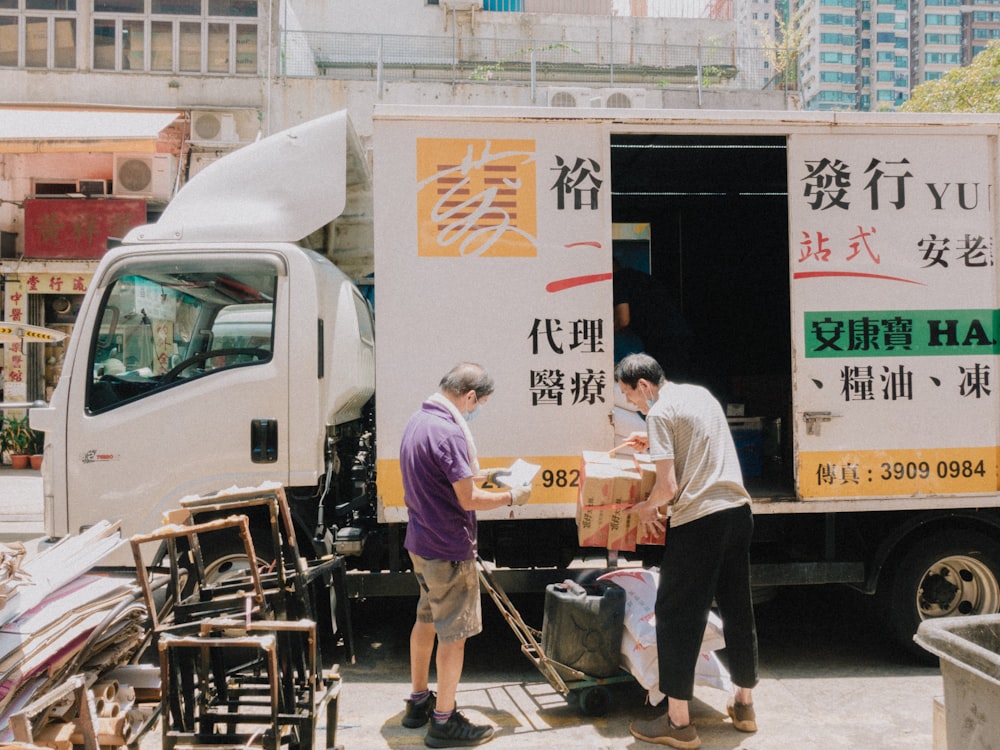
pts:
pixel 160 327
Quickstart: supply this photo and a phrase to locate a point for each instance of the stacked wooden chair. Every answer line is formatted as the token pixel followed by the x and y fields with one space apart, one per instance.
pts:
pixel 240 662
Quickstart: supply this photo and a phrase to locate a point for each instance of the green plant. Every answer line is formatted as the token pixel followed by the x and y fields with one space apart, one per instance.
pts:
pixel 489 71
pixel 37 442
pixel 17 437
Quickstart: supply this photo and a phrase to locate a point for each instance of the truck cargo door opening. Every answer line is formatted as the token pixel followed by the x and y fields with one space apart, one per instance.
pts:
pixel 712 211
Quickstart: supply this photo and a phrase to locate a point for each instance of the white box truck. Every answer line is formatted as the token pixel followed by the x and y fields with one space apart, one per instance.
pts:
pixel 835 271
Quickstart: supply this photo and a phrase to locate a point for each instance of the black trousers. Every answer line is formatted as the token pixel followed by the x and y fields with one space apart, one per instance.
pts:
pixel 704 560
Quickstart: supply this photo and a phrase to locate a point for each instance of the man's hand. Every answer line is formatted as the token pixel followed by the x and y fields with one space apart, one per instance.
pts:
pixel 649 515
pixel 520 495
pixel 638 441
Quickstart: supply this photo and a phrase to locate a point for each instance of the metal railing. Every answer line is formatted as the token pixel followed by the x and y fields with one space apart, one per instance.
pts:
pixel 456 59
pixel 722 9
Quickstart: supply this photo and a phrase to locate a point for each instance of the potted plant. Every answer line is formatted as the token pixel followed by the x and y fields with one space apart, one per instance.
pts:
pixel 37 448
pixel 17 439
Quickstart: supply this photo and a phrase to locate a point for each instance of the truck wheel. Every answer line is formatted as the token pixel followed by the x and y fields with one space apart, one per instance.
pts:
pixel 947 576
pixel 226 559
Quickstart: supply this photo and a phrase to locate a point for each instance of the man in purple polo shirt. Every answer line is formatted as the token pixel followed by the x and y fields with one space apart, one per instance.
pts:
pixel 437 457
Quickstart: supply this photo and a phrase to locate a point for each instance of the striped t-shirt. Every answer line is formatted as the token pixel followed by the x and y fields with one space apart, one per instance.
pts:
pixel 688 425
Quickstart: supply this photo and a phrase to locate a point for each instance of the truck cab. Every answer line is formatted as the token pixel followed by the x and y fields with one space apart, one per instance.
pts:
pixel 200 363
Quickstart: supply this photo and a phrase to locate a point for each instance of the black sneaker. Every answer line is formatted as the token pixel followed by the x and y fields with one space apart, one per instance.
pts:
pixel 417 713
pixel 457 732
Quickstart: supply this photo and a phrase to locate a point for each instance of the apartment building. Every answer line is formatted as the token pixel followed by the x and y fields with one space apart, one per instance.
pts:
pixel 869 55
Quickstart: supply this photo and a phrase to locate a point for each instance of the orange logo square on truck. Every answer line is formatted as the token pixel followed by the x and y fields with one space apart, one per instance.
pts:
pixel 476 198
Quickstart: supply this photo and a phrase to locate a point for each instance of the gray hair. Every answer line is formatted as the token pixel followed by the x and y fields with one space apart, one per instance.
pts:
pixel 465 377
pixel 635 367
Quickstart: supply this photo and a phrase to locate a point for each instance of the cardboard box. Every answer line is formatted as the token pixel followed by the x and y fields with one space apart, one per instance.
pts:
pixel 609 487
pixel 592 529
pixel 606 484
pixel 623 526
pixel 647 472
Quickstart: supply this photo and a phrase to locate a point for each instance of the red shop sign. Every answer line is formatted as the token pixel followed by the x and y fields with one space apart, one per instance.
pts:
pixel 77 227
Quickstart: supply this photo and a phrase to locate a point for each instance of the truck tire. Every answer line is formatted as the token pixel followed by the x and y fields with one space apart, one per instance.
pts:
pixel 957 573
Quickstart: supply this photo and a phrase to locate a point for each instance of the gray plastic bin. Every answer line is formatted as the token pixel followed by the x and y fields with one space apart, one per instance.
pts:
pixel 969 650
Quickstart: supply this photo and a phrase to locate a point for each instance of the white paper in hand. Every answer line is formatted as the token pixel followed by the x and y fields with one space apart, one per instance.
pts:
pixel 521 473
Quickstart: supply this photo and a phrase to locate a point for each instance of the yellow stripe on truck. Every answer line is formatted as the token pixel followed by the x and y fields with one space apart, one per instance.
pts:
pixel 557 482
pixel 875 473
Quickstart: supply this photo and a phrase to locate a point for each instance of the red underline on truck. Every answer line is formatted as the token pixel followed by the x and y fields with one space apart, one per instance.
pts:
pixel 562 284
pixel 819 274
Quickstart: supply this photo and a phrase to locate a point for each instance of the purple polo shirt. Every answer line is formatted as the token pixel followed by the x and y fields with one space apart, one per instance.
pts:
pixel 432 455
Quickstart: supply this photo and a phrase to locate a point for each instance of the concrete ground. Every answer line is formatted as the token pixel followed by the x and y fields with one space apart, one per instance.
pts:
pixel 830 678
pixel 20 504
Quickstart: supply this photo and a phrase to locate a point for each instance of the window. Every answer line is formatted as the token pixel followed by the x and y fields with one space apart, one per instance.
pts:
pixel 38 34
pixel 942 58
pixel 162 326
pixel 170 36
pixel 953 39
pixel 177 36
pixel 53 187
pixel 50 4
pixel 936 19
pixel 8 41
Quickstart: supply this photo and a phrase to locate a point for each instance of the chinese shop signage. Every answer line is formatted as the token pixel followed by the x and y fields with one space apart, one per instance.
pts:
pixel 77 228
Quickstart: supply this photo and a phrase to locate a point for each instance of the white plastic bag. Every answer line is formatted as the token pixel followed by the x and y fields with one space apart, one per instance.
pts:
pixel 639 651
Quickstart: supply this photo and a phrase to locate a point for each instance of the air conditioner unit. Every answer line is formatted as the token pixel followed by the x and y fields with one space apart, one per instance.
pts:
pixel 199 161
pixel 573 97
pixel 623 98
pixel 92 187
pixel 144 175
pixel 214 127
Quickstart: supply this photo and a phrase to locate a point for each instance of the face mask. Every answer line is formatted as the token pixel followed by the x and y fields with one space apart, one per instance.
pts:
pixel 470 415
pixel 650 402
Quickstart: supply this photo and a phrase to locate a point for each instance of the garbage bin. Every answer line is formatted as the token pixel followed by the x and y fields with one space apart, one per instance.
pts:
pixel 969 650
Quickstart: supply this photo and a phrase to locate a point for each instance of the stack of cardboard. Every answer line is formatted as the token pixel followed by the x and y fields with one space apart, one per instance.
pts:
pixel 609 488
pixel 58 620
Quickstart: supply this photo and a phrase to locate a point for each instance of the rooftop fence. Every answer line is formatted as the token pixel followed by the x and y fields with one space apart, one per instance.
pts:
pixel 457 59
pixel 643 8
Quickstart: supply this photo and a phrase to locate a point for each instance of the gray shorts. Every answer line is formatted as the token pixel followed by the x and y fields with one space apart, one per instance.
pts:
pixel 449 597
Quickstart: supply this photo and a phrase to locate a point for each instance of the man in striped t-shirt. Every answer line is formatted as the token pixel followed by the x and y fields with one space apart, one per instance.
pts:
pixel 699 495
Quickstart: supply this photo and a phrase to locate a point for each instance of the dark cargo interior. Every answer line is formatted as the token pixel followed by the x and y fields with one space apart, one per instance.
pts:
pixel 718 242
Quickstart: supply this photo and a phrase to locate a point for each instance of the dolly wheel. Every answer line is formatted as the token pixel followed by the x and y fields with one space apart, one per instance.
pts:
pixel 595 701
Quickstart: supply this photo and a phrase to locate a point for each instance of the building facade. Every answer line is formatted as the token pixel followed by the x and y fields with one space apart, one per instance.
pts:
pixel 109 106
pixel 869 55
